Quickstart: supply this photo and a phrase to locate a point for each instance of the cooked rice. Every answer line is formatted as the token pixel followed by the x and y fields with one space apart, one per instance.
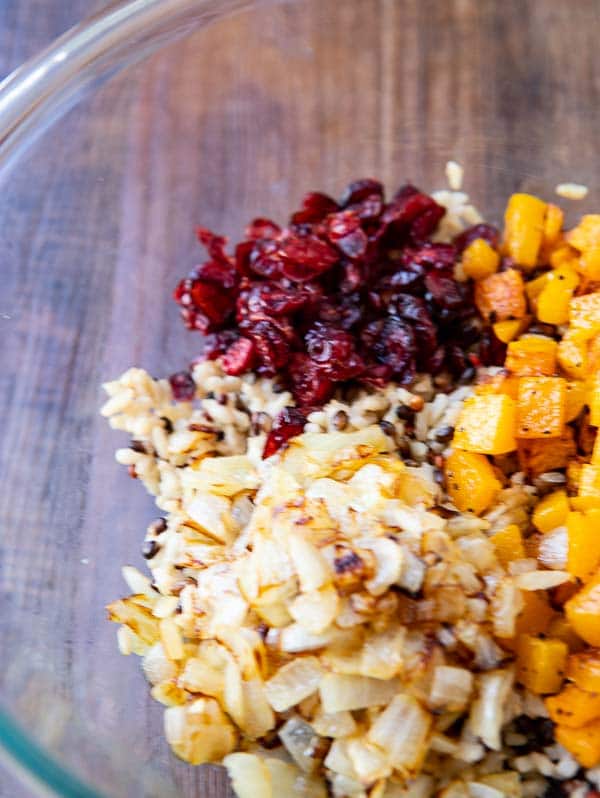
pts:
pixel 572 191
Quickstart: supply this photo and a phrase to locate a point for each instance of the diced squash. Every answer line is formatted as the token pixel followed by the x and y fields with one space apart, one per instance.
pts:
pixel 583 612
pixel 537 455
pixel 553 223
pixel 583 743
pixel 585 503
pixel 594 355
pixel 541 663
pixel 541 406
pixel 589 264
pixel 533 288
pixel 587 233
pixel 584 669
pixel 501 296
pixel 573 355
pixel 531 356
pixel 594 400
pixel 480 259
pixel 553 303
pixel 561 629
pixel 583 531
pixel 471 482
pixel 589 482
pixel 584 313
pixel 505 331
pixel 573 476
pixel 562 253
pixel 565 275
pixel 524 222
pixel 535 618
pixel 573 707
pixel 487 425
pixel 551 511
pixel 509 544
pixel 576 398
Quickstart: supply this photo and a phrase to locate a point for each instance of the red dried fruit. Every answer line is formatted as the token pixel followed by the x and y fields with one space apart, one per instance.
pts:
pixel 315 207
pixel 182 386
pixel 239 357
pixel 488 232
pixel 349 291
pixel 289 423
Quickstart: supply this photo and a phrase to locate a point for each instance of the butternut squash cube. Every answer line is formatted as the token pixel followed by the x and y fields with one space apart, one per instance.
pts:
pixel 583 743
pixel 509 544
pixel 553 303
pixel 589 481
pixel 551 511
pixel 589 264
pixel 553 223
pixel 583 531
pixel 573 355
pixel 501 296
pixel 584 669
pixel 562 253
pixel 505 331
pixel 583 612
pixel 471 482
pixel 541 406
pixel 535 618
pixel 533 288
pixel 596 452
pixel 537 455
pixel 487 424
pixel 587 233
pixel 531 356
pixel 561 629
pixel 480 259
pixel 573 707
pixel 541 663
pixel 584 313
pixel 524 220
pixel 576 398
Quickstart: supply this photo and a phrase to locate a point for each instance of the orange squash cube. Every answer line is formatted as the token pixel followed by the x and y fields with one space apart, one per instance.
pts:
pixel 551 511
pixel 561 629
pixel 583 743
pixel 480 259
pixel 594 400
pixel 537 456
pixel 524 223
pixel 584 314
pixel 583 612
pixel 576 398
pixel 583 531
pixel 541 663
pixel 508 543
pixel 535 618
pixel 501 296
pixel 486 424
pixel 573 707
pixel 553 303
pixel 531 356
pixel 587 233
pixel 470 480
pixel 573 355
pixel 541 406
pixel 596 452
pixel 553 223
pixel 505 331
pixel 584 669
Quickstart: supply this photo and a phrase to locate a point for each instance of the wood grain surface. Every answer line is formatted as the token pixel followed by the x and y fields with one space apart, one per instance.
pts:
pixel 97 225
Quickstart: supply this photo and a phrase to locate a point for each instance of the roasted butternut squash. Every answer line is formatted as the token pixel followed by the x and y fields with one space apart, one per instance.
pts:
pixel 583 612
pixel 537 456
pixel 573 707
pixel 480 259
pixel 541 663
pixel 584 313
pixel 524 224
pixel 501 296
pixel 531 356
pixel 486 425
pixel 584 669
pixel 583 530
pixel 583 743
pixel 508 543
pixel 551 512
pixel 471 482
pixel 541 407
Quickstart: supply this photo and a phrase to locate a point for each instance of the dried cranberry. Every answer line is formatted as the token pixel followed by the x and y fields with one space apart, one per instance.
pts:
pixel 334 351
pixel 392 342
pixel 272 348
pixel 359 190
pixel 305 257
pixel 262 228
pixel 438 256
pixel 344 230
pixel 289 423
pixel 445 290
pixel 310 385
pixel 220 274
pixel 377 375
pixel 216 344
pixel 214 244
pixel 488 232
pixel 265 259
pixel 239 357
pixel 426 223
pixel 492 351
pixel 269 299
pixel 369 208
pixel 315 207
pixel 182 386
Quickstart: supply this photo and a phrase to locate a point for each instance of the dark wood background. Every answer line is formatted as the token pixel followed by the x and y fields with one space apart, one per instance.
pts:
pixel 96 225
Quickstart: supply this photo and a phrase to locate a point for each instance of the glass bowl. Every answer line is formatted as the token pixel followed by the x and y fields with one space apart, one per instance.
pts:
pixel 229 121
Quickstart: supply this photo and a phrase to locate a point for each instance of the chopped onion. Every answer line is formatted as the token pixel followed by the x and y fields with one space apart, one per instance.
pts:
pixel 507 603
pixel 485 719
pixel 294 682
pixel 250 776
pixel 334 724
pixel 301 743
pixel 451 688
pixel 542 580
pixel 156 666
pixel 317 609
pixel 210 513
pixel 369 762
pixel 294 638
pixel 401 731
pixel 554 549
pixel 479 790
pixel 388 558
pixel 341 692
pixel 311 566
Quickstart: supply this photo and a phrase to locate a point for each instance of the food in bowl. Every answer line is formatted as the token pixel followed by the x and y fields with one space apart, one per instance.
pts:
pixel 378 569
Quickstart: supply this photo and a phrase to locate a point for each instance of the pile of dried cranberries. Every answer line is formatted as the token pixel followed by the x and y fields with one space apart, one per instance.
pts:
pixel 349 290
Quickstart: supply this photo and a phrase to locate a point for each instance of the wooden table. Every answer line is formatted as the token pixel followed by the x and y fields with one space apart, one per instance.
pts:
pixel 97 224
